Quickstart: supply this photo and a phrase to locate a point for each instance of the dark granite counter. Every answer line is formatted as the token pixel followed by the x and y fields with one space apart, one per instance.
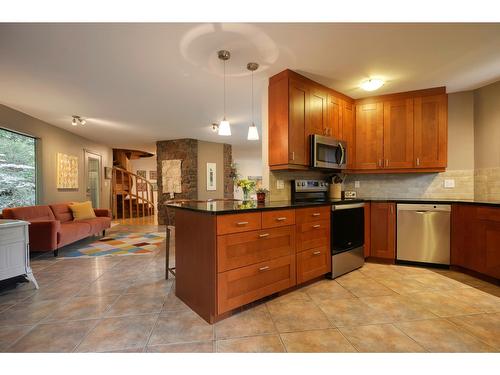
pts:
pixel 220 207
pixel 433 201
pixel 233 207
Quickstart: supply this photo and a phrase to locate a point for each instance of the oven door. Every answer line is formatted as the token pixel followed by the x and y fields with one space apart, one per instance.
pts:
pixel 347 227
pixel 327 152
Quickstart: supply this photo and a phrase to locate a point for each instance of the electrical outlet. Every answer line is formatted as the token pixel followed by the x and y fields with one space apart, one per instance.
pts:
pixel 280 184
pixel 449 183
pixel 357 184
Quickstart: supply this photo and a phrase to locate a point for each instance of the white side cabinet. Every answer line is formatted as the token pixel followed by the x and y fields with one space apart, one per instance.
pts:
pixel 14 250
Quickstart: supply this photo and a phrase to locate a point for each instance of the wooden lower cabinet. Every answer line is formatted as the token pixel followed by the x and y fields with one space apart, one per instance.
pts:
pixel 313 235
pixel 247 284
pixel 313 263
pixel 241 249
pixel 475 238
pixel 383 230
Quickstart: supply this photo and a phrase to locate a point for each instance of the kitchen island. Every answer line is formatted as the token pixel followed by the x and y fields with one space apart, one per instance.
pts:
pixel 229 254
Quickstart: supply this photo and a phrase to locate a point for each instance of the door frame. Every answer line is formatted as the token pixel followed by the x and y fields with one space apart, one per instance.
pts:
pixel 87 152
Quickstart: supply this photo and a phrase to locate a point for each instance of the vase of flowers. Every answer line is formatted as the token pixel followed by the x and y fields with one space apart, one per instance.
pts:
pixel 261 194
pixel 247 186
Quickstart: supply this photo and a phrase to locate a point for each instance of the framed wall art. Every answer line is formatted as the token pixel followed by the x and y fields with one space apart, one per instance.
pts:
pixel 211 176
pixel 67 171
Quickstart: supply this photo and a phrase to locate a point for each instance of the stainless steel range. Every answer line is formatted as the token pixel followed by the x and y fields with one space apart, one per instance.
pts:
pixel 347 231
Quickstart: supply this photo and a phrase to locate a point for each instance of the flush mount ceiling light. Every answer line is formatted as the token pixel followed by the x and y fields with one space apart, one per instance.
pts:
pixel 372 84
pixel 224 127
pixel 253 133
pixel 77 120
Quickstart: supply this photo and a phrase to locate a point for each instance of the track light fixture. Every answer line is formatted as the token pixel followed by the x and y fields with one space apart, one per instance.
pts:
pixel 78 120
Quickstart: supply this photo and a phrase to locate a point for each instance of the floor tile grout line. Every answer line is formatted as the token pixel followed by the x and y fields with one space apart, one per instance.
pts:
pixel 411 338
pixel 276 328
pixel 464 329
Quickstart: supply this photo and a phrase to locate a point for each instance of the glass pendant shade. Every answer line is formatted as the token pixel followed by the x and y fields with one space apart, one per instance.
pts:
pixel 253 133
pixel 224 128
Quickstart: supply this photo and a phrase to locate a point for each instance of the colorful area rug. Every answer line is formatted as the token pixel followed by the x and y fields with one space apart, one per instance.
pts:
pixel 119 244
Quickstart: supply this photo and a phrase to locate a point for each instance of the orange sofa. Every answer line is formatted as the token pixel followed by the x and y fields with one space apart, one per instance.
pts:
pixel 52 227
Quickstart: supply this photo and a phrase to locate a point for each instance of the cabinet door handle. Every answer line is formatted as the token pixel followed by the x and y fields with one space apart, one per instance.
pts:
pixel 379 162
pixel 386 162
pixel 317 253
pixel 418 161
pixel 263 235
pixel 316 214
pixel 316 226
pixel 392 209
pixel 293 155
pixel 280 218
pixel 265 268
pixel 242 223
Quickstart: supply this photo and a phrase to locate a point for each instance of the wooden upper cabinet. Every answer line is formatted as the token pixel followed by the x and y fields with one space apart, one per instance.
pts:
pixel 333 125
pixel 298 123
pixel 431 131
pixel 398 134
pixel 348 132
pixel 317 112
pixel 369 134
pixel 383 230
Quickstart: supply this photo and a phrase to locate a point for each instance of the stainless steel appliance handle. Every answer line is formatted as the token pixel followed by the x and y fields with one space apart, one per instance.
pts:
pixel 337 207
pixel 342 155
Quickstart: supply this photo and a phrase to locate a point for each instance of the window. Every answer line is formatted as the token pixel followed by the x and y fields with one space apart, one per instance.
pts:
pixel 17 169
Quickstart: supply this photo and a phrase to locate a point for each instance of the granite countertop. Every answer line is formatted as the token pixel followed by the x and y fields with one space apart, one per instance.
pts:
pixel 217 207
pixel 227 207
pixel 432 201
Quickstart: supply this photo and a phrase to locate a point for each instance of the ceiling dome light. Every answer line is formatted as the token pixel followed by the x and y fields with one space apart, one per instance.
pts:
pixel 83 121
pixel 224 127
pixel 372 84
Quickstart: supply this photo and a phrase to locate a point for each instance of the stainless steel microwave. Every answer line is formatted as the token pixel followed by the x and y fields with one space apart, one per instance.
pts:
pixel 327 152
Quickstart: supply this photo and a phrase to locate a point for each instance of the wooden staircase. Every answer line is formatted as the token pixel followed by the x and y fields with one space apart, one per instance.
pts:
pixel 132 195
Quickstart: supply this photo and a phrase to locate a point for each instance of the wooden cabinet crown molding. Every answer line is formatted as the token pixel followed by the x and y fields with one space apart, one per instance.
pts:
pixel 401 95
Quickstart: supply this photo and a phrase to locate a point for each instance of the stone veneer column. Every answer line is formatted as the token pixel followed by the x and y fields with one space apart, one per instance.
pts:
pixel 187 151
pixel 228 181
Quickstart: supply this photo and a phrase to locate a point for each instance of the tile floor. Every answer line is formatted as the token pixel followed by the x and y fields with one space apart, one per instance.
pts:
pixel 124 304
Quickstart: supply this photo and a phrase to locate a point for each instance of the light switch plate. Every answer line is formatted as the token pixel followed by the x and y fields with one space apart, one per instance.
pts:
pixel 356 184
pixel 449 183
pixel 280 184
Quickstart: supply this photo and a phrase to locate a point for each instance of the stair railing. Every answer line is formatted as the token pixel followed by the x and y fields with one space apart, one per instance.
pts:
pixel 122 185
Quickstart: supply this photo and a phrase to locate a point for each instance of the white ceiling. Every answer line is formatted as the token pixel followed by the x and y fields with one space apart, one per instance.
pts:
pixel 138 83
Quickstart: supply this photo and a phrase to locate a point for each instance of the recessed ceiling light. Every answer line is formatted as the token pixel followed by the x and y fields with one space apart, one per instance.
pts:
pixel 372 84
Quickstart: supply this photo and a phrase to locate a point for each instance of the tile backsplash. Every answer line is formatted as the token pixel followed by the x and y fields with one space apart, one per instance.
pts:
pixel 481 184
pixel 487 184
pixel 421 185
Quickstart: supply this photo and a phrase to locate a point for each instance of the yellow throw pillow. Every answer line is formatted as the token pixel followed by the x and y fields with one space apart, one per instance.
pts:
pixel 82 211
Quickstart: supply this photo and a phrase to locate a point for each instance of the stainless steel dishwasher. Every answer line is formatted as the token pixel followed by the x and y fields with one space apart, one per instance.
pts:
pixel 423 233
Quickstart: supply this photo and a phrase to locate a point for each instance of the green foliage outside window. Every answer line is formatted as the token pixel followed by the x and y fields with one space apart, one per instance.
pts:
pixel 17 170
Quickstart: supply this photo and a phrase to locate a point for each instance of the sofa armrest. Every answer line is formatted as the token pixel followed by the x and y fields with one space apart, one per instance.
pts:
pixel 43 234
pixel 102 212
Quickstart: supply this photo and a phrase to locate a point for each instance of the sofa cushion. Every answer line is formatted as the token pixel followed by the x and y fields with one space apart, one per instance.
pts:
pixel 97 224
pixel 62 212
pixel 73 231
pixel 28 213
pixel 82 211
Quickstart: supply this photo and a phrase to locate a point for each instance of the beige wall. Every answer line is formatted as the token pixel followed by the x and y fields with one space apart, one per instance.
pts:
pixel 209 152
pixel 487 126
pixel 487 142
pixel 51 141
pixel 461 130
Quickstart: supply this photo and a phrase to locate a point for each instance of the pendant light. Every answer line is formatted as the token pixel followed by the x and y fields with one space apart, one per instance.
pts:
pixel 224 127
pixel 253 133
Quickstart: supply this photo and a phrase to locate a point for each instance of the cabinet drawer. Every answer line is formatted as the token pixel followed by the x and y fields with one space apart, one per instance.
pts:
pixel 10 235
pixel 244 285
pixel 313 263
pixel 488 213
pixel 238 223
pixel 243 249
pixel 312 235
pixel 307 215
pixel 272 219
